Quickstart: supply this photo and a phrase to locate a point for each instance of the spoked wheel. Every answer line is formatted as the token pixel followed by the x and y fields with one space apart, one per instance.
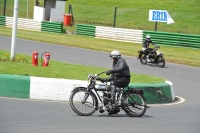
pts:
pixel 78 106
pixel 143 59
pixel 135 105
pixel 161 62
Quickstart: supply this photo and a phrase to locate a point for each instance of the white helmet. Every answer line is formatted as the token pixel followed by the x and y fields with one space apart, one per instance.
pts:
pixel 148 37
pixel 115 55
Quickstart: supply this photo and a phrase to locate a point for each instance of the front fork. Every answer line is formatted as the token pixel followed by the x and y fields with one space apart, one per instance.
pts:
pixel 139 55
pixel 87 93
pixel 85 98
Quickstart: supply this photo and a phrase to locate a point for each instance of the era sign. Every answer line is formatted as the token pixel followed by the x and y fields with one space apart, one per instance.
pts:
pixel 160 16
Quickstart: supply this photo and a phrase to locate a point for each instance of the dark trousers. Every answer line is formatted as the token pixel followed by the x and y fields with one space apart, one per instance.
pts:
pixel 119 82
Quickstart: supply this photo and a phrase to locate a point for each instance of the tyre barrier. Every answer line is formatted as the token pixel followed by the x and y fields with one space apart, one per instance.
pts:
pixel 30 87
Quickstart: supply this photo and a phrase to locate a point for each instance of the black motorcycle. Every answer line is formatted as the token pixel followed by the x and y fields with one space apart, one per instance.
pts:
pixel 85 100
pixel 154 56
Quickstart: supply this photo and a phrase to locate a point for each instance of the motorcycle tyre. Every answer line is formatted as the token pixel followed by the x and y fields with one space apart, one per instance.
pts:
pixel 128 111
pixel 143 59
pixel 74 108
pixel 163 59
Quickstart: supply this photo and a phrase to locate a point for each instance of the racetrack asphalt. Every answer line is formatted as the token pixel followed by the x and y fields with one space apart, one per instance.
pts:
pixel 178 118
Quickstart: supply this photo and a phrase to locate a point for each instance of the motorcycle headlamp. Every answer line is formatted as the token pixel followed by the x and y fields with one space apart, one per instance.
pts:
pixel 89 76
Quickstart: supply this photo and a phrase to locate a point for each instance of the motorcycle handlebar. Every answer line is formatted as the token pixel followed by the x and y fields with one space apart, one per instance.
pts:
pixel 157 46
pixel 101 73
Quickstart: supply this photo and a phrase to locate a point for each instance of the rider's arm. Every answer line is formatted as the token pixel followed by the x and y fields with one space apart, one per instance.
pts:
pixel 120 67
pixel 152 43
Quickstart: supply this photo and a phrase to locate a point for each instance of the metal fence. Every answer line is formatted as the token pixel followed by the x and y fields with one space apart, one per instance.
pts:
pixel 108 16
pixel 88 14
pixel 26 8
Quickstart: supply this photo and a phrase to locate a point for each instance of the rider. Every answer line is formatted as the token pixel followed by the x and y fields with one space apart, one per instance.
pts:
pixel 146 43
pixel 120 74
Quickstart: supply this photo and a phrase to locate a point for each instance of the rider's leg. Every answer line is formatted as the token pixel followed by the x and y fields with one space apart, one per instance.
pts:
pixel 114 110
pixel 113 92
pixel 147 55
pixel 119 82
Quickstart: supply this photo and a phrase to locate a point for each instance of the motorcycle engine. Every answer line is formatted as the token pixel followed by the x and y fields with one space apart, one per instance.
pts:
pixel 106 94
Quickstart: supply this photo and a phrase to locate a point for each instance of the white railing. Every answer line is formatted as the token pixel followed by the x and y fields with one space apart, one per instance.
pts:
pixel 22 23
pixel 119 34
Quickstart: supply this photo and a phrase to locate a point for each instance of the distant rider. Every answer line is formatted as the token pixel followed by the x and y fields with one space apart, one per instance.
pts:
pixel 146 44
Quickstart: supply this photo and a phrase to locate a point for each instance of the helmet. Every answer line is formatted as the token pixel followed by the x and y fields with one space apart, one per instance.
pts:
pixel 148 37
pixel 115 55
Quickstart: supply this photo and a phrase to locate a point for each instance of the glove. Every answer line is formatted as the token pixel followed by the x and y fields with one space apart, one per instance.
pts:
pixel 109 72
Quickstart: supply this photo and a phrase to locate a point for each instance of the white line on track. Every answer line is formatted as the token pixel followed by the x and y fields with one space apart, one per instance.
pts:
pixel 178 100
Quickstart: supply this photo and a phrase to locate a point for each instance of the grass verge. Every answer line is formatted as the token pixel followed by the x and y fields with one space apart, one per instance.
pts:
pixel 60 70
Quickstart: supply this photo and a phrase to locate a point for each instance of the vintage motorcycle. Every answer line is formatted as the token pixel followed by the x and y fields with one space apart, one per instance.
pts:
pixel 84 101
pixel 155 56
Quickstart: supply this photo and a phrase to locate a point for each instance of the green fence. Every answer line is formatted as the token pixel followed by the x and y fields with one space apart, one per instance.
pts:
pixel 174 39
pixel 52 27
pixel 2 20
pixel 87 30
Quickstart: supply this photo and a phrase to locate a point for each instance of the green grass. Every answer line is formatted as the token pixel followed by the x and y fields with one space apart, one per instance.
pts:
pixel 186 56
pixel 60 70
pixel 134 14
pixel 130 14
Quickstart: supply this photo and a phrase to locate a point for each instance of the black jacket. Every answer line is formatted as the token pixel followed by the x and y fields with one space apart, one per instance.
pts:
pixel 146 43
pixel 120 68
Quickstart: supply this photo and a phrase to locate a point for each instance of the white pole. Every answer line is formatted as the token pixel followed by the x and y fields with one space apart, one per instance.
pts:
pixel 27 10
pixel 14 31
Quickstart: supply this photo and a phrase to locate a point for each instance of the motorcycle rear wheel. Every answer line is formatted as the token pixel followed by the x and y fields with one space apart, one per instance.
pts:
pixel 161 62
pixel 143 59
pixel 135 105
pixel 84 109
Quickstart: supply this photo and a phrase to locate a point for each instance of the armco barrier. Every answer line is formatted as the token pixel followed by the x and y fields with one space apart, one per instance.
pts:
pixel 2 20
pixel 60 89
pixel 30 24
pixel 87 30
pixel 55 27
pixel 119 34
pixel 174 39
pixel 138 36
pixel 26 24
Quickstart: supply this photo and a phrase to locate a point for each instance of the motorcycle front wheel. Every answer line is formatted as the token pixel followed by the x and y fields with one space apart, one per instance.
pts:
pixel 143 59
pixel 80 107
pixel 161 62
pixel 135 105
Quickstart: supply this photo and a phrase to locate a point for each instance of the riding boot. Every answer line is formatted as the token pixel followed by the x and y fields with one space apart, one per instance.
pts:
pixel 114 109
